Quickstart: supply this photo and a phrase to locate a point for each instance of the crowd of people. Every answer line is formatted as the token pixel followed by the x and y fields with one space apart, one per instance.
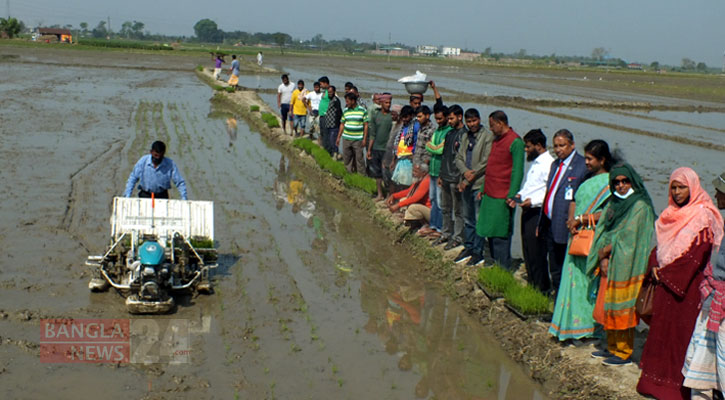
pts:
pixel 591 237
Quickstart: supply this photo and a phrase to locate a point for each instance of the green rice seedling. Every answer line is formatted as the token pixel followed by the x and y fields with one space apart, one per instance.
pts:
pixel 270 119
pixel 496 279
pixel 254 108
pixel 365 183
pixel 230 89
pixel 200 68
pixel 527 300
pixel 217 87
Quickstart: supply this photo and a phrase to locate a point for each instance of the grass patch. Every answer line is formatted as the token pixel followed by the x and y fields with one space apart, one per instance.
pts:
pixel 254 108
pixel 496 279
pixel 270 119
pixel 230 89
pixel 527 300
pixel 217 87
pixel 200 68
pixel 123 44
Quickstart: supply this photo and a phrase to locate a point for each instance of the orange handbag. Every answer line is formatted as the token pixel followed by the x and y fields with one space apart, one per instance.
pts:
pixel 581 243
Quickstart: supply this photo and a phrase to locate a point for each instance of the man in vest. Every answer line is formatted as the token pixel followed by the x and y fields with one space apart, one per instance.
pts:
pixel 503 177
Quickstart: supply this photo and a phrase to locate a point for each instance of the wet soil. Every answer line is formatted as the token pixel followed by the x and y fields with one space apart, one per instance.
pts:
pixel 313 299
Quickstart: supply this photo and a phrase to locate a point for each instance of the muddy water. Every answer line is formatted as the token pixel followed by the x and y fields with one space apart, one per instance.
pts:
pixel 312 301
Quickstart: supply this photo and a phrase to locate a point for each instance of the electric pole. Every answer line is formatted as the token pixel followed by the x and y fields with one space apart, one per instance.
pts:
pixel 7 7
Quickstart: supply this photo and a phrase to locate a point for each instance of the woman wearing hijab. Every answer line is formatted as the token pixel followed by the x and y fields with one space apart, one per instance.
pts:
pixel 686 231
pixel 619 257
pixel 704 368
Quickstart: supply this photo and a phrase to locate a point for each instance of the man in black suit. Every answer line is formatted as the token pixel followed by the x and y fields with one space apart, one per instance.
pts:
pixel 566 174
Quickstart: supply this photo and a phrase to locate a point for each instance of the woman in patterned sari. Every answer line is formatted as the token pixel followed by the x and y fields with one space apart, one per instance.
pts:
pixel 619 257
pixel 686 232
pixel 573 310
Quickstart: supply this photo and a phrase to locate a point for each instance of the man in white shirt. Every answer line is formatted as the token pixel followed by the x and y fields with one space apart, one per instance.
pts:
pixel 312 101
pixel 284 98
pixel 530 198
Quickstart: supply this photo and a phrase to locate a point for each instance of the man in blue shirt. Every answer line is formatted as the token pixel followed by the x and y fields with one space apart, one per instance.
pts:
pixel 154 174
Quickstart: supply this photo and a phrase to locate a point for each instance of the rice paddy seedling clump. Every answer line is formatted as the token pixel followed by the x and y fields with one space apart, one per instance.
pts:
pixel 361 182
pixel 527 300
pixel 270 119
pixel 229 89
pixel 254 108
pixel 496 278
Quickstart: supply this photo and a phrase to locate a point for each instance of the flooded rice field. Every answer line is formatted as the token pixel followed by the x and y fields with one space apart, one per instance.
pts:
pixel 311 300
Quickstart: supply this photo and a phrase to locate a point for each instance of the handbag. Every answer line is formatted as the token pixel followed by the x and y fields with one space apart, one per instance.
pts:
pixel 582 241
pixel 645 299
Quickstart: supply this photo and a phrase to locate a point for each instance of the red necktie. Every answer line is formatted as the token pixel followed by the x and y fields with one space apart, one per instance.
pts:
pixel 552 187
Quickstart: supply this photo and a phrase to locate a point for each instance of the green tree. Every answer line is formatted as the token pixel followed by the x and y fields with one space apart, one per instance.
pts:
pixel 701 66
pixel 599 53
pixel 84 26
pixel 655 65
pixel 206 30
pixel 281 39
pixel 487 52
pixel 688 64
pixel 100 31
pixel 10 26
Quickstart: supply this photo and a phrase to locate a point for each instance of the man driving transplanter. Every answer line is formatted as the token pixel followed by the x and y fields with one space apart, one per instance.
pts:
pixel 154 173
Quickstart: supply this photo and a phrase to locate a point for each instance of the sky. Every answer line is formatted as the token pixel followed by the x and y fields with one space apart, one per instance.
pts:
pixel 634 30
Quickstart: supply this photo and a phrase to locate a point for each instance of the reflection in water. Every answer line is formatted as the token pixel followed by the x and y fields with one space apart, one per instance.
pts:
pixel 288 189
pixel 232 129
pixel 427 340
pixel 430 338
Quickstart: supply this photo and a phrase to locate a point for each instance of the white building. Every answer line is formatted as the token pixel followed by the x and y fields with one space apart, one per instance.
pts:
pixel 427 50
pixel 450 51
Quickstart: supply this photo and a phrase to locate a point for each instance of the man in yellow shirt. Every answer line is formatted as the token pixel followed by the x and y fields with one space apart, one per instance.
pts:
pixel 299 109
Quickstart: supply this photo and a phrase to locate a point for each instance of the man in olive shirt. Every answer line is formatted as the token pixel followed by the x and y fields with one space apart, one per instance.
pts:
pixel 471 160
pixel 381 122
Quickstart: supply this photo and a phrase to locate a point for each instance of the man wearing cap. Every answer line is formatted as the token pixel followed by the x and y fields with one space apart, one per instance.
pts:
pixel 154 173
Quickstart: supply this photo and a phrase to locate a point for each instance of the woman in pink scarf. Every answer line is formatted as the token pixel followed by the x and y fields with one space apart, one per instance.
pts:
pixel 686 231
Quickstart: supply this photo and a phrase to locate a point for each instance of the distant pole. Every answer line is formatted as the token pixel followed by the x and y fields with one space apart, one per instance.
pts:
pixel 7 6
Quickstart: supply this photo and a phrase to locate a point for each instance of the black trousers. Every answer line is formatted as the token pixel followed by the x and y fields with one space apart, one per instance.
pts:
pixel 534 250
pixel 147 195
pixel 557 253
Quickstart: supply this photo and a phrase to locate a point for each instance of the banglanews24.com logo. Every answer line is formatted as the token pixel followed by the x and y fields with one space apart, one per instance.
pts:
pixel 141 340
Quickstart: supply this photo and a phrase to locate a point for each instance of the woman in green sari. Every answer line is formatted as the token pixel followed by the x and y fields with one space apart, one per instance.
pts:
pixel 573 310
pixel 619 257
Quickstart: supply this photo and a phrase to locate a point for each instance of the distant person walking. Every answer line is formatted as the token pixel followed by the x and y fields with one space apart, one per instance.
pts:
pixel 354 134
pixel 234 71
pixel 154 173
pixel 259 58
pixel 284 98
pixel 218 61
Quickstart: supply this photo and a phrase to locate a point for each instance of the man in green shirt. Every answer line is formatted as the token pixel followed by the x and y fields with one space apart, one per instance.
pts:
pixel 354 134
pixel 381 121
pixel 434 148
